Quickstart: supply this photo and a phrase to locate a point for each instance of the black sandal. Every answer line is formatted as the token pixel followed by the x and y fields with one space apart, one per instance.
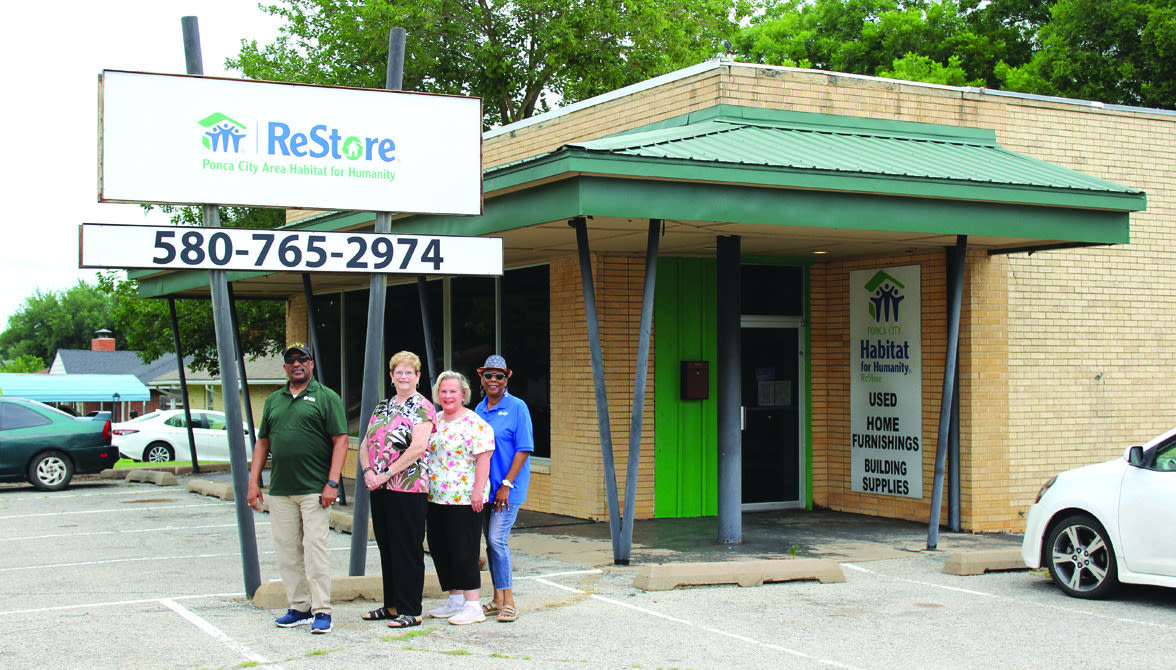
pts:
pixel 379 615
pixel 404 621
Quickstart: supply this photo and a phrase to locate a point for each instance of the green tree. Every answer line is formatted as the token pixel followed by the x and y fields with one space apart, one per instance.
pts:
pixel 146 324
pixel 23 363
pixel 1116 51
pixel 930 40
pixel 52 320
pixel 519 56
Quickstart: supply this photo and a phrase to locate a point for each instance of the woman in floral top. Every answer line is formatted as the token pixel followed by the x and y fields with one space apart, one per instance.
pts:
pixel 459 484
pixel 391 455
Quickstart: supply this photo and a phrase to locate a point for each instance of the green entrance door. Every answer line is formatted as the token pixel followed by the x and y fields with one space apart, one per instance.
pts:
pixel 772 398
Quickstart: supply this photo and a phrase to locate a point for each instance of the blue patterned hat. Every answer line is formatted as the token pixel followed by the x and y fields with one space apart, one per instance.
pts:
pixel 494 362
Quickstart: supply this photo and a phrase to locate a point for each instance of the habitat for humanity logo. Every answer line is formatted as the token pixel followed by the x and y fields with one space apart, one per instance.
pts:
pixel 221 133
pixel 885 295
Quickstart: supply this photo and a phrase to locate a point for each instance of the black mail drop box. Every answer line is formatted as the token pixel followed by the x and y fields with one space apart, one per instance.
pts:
pixel 695 380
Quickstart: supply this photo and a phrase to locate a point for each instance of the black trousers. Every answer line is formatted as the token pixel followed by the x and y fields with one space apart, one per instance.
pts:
pixel 455 534
pixel 398 520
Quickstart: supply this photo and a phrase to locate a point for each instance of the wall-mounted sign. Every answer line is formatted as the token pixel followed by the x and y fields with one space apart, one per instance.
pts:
pixel 186 248
pixel 886 382
pixel 187 139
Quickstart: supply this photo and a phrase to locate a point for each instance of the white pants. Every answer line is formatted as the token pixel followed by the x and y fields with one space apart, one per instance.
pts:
pixel 301 527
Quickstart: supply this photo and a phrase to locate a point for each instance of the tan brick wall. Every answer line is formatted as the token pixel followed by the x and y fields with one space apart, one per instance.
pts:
pixel 576 482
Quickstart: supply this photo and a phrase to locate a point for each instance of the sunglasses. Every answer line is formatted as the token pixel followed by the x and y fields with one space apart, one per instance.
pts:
pixel 497 376
pixel 297 359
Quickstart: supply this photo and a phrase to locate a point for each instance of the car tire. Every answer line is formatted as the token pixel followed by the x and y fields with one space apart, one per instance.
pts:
pixel 159 452
pixel 51 471
pixel 1081 558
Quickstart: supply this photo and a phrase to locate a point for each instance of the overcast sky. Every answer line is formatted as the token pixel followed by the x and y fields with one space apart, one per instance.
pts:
pixel 52 53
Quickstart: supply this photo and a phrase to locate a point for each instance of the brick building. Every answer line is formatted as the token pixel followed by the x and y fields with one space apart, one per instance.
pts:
pixel 1067 208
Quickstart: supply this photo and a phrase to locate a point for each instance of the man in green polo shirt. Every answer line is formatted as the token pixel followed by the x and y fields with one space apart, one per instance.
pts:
pixel 304 431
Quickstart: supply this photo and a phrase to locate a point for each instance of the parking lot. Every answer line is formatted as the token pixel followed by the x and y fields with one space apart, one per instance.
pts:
pixel 115 575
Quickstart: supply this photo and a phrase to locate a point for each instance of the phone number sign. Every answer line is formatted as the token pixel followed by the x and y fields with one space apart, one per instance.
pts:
pixel 185 248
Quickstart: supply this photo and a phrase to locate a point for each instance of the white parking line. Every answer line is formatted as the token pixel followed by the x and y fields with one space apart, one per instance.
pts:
pixel 113 511
pixel 119 603
pixel 212 631
pixel 135 559
pixel 1060 608
pixel 735 636
pixel 161 529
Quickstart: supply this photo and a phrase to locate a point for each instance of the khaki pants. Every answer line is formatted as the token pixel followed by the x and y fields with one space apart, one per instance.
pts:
pixel 301 527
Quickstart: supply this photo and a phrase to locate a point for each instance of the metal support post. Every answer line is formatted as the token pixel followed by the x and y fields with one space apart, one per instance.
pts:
pixel 222 322
pixel 175 326
pixel 373 366
pixel 955 284
pixel 730 466
pixel 597 358
pixel 642 367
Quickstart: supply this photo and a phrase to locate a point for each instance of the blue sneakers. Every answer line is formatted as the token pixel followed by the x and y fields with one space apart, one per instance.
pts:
pixel 293 617
pixel 322 624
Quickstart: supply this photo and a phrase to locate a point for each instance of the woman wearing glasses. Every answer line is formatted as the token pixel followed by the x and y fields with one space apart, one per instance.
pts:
pixel 510 472
pixel 391 456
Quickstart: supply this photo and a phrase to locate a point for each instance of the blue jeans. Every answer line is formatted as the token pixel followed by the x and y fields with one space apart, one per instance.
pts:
pixel 496 526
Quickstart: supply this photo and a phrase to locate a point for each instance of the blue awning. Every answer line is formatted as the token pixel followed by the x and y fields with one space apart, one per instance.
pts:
pixel 73 388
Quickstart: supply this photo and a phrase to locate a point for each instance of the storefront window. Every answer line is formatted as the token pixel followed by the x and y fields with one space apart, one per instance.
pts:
pixel 525 338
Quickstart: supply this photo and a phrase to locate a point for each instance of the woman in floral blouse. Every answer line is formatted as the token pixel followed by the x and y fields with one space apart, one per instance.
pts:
pixel 392 457
pixel 459 485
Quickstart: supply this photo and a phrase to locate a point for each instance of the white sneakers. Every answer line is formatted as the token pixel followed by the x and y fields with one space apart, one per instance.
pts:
pixel 452 606
pixel 471 612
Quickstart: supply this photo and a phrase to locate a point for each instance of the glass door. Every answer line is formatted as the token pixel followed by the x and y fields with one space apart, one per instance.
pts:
pixel 772 388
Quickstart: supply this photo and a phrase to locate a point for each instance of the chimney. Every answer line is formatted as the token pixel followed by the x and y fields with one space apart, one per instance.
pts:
pixel 104 342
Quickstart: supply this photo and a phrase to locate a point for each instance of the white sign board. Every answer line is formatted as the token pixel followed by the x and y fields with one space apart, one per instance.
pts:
pixel 187 248
pixel 193 140
pixel 886 382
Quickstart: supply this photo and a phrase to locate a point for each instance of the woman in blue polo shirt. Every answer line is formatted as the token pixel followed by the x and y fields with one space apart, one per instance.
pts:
pixel 510 472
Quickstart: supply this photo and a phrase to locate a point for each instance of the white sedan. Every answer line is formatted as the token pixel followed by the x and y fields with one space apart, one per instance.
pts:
pixel 162 436
pixel 1102 524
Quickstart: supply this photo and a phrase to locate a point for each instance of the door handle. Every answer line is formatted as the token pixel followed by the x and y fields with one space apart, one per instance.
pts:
pixel 742 418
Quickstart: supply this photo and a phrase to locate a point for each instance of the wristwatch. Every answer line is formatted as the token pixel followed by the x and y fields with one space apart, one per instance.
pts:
pixel 332 482
pixel 508 484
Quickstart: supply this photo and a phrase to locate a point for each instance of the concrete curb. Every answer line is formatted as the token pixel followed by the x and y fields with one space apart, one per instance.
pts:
pixel 272 595
pixel 341 522
pixel 979 561
pixel 157 477
pixel 223 491
pixel 664 577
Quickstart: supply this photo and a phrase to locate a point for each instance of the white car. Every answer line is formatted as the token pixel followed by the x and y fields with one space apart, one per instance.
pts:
pixel 162 436
pixel 1102 524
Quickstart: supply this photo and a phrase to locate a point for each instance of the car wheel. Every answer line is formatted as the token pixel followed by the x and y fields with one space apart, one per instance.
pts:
pixel 1081 559
pixel 159 452
pixel 51 471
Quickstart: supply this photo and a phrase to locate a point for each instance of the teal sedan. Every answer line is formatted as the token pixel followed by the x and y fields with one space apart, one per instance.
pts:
pixel 48 447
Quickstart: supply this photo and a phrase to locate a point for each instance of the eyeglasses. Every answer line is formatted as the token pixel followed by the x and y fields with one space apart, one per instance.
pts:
pixel 497 376
pixel 404 373
pixel 297 359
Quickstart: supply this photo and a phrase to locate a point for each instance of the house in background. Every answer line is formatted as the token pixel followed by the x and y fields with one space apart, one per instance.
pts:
pixel 263 375
pixel 102 359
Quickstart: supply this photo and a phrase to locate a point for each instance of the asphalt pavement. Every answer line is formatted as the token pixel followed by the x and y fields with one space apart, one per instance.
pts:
pixel 115 575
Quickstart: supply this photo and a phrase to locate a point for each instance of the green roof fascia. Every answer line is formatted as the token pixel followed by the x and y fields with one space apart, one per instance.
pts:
pixel 184 280
pixel 817 120
pixel 650 199
pixel 583 162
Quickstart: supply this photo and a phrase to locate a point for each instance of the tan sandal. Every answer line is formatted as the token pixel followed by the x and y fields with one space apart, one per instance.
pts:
pixel 490 609
pixel 508 614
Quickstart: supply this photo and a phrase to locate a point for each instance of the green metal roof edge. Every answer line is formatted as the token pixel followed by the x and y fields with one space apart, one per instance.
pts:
pixel 578 161
pixel 641 199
